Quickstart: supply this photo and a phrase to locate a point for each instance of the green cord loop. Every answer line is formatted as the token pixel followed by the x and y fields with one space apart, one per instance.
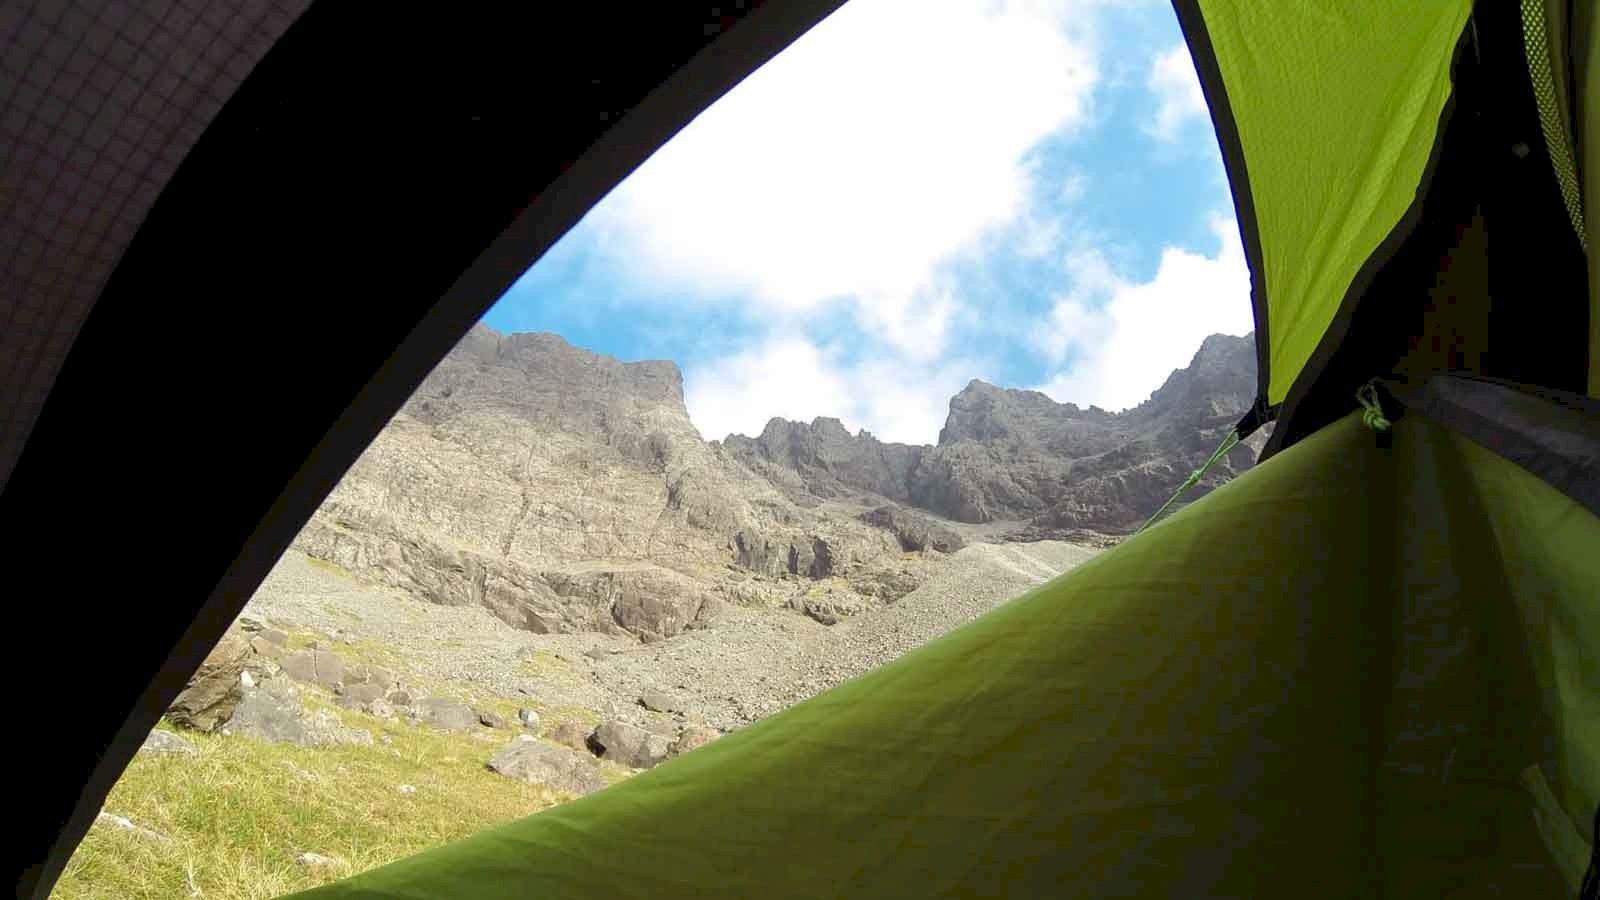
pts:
pixel 1372 410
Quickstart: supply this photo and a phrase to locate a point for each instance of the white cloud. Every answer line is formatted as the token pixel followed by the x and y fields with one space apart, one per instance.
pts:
pixel 844 171
pixel 793 378
pixel 1123 339
pixel 1177 88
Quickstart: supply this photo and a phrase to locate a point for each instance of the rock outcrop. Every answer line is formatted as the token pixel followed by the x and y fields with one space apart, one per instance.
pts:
pixel 1017 456
pixel 565 491
pixel 567 770
pixel 629 745
pixel 215 689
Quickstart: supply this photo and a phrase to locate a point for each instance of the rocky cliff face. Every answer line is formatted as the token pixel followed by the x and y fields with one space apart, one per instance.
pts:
pixel 1018 456
pixel 567 491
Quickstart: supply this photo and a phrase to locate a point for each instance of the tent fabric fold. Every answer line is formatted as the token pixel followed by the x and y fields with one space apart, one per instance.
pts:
pixel 1353 93
pixel 1328 678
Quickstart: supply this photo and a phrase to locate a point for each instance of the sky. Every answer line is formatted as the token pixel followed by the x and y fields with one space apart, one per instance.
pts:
pixel 915 194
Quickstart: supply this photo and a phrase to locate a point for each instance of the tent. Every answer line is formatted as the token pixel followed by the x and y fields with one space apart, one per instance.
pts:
pixel 238 236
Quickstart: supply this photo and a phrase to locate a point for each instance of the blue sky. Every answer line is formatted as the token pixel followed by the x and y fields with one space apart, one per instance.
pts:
pixel 915 194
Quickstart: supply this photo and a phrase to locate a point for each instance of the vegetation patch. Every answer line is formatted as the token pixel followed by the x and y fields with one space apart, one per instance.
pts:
pixel 240 812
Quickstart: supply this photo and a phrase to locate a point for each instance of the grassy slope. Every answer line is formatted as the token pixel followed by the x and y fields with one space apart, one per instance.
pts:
pixel 241 810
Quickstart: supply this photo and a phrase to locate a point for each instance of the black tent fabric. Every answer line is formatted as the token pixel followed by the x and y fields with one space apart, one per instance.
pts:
pixel 364 196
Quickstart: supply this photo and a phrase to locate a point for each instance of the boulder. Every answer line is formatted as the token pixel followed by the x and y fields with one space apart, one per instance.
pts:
pixel 571 734
pixel 528 718
pixel 692 737
pixel 399 696
pixel 536 762
pixel 274 713
pixel 213 692
pixel 645 601
pixel 274 636
pixel 628 744
pixel 491 720
pixel 362 693
pixel 360 696
pixel 658 700
pixel 263 647
pixel 315 666
pixel 447 715
pixel 819 612
pixel 915 532
pixel 165 742
pixel 381 677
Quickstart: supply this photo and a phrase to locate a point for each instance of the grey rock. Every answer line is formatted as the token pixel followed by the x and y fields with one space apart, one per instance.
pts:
pixel 213 692
pixel 529 719
pixel 491 720
pixel 123 824
pixel 316 860
pixel 658 700
pixel 363 693
pixel 693 737
pixel 408 789
pixel 263 647
pixel 571 734
pixel 447 715
pixel 641 599
pixel 359 696
pixel 381 677
pixel 821 614
pixel 914 531
pixel 315 666
pixel 165 742
pixel 274 636
pixel 628 744
pixel 400 697
pixel 567 770
pixel 274 713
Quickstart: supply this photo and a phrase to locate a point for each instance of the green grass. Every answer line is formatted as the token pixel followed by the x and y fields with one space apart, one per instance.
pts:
pixel 240 811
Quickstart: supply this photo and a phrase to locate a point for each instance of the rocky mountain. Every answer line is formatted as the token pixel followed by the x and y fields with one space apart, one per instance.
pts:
pixel 1020 457
pixel 567 491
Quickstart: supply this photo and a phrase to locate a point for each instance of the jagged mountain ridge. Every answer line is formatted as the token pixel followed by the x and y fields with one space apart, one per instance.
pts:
pixel 1017 455
pixel 568 491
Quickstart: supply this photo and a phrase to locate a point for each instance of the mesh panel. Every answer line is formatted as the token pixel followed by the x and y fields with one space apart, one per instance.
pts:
pixel 1537 44
pixel 99 102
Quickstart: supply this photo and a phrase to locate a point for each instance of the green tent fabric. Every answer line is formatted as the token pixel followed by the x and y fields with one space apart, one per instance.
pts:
pixel 1337 108
pixel 1337 676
